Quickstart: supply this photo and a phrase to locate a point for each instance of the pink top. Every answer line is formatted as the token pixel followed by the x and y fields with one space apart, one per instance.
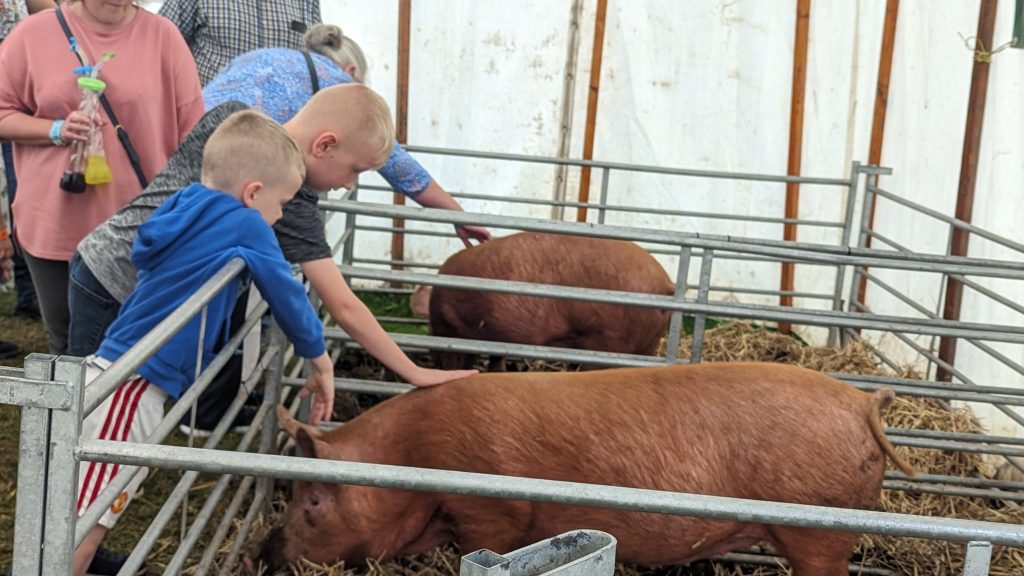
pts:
pixel 153 87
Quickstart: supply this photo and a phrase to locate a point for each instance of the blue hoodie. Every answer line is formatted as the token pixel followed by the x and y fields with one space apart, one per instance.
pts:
pixel 184 243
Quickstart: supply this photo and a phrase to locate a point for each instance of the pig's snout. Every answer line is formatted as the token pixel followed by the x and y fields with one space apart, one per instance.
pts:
pixel 250 566
pixel 271 552
pixel 420 301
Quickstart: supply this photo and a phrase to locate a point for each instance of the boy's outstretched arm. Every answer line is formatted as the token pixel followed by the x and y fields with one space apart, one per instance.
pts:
pixel 356 319
pixel 320 384
pixel 433 196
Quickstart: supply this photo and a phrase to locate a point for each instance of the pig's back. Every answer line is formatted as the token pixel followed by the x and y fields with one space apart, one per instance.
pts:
pixel 561 260
pixel 751 430
pixel 745 430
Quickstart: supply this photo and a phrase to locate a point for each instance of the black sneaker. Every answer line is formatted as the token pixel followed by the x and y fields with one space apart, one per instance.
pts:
pixel 9 350
pixel 203 430
pixel 108 562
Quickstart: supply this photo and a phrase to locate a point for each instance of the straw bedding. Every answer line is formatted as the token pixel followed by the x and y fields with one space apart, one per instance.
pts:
pixel 743 341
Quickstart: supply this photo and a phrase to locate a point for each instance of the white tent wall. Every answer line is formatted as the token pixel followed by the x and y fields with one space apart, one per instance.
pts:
pixel 707 84
pixel 672 71
pixel 927 111
pixel 483 76
pixel 999 208
pixel 842 63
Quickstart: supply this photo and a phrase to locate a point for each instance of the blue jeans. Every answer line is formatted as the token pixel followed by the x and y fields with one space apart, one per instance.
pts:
pixel 91 309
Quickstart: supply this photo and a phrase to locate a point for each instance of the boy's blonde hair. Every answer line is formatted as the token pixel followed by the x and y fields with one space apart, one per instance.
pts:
pixel 358 114
pixel 328 40
pixel 247 146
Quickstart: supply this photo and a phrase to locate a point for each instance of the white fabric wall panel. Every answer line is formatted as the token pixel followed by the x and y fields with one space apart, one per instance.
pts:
pixel 671 72
pixel 999 208
pixel 842 65
pixel 483 76
pixel 923 140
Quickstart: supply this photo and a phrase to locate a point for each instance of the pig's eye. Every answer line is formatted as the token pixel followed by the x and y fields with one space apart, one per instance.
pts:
pixel 314 501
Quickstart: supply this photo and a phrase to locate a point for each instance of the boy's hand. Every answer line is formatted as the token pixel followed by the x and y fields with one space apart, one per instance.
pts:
pixel 320 384
pixel 426 377
pixel 466 233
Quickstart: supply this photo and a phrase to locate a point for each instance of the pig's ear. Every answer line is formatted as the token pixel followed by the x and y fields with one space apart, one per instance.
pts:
pixel 292 426
pixel 308 446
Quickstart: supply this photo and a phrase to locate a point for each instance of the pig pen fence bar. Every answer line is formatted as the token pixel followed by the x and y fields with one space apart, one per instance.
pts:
pixel 45 399
pixel 606 169
pixel 249 457
pixel 552 491
pixel 872 191
pixel 797 252
pixel 44 529
pixel 220 457
pixel 827 255
pixel 602 207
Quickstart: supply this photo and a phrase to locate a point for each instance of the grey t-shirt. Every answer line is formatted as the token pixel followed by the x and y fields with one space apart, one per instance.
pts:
pixel 107 250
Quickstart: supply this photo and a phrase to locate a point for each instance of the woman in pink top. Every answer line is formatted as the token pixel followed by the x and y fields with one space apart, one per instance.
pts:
pixel 154 90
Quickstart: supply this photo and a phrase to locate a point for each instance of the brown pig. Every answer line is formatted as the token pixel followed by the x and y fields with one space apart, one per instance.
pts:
pixel 745 430
pixel 557 259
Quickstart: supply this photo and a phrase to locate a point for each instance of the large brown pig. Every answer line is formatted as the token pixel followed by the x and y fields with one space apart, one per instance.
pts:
pixel 561 260
pixel 746 430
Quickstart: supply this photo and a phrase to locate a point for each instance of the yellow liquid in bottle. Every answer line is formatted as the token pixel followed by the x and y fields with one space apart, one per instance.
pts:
pixel 97 171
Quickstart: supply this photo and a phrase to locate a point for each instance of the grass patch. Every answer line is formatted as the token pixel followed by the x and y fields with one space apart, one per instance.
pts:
pixel 27 333
pixel 390 305
pixel 30 336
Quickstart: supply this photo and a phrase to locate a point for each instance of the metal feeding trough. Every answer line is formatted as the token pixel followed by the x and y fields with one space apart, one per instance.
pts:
pixel 576 553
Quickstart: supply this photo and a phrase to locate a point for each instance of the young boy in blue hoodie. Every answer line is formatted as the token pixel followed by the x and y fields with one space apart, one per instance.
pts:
pixel 251 168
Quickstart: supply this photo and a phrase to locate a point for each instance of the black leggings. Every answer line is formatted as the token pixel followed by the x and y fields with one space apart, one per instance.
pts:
pixel 50 278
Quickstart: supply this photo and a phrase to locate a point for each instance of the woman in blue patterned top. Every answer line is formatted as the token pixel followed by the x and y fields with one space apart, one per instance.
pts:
pixel 277 81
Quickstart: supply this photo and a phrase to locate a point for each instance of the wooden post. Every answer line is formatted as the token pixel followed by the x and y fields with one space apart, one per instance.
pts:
pixel 595 85
pixel 401 120
pixel 892 8
pixel 796 141
pixel 968 175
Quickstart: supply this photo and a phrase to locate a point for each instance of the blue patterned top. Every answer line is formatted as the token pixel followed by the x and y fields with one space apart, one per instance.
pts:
pixel 276 81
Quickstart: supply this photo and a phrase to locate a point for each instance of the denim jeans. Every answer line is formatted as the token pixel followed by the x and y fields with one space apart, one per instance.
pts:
pixel 91 309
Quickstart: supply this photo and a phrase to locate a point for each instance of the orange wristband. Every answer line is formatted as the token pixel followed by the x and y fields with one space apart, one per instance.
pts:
pixel 4 235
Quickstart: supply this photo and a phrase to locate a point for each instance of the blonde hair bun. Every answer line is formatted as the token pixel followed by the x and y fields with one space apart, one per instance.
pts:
pixel 327 40
pixel 322 36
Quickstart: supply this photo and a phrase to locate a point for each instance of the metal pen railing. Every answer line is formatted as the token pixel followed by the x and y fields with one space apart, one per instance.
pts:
pixel 46 532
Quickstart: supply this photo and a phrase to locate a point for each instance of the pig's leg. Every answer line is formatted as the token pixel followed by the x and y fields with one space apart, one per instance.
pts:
pixel 453 360
pixel 496 364
pixel 498 525
pixel 815 552
pixel 446 360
